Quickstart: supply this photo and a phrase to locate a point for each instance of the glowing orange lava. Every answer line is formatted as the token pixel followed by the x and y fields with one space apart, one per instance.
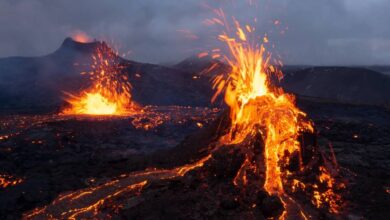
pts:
pixel 7 181
pixel 109 93
pixel 85 203
pixel 92 104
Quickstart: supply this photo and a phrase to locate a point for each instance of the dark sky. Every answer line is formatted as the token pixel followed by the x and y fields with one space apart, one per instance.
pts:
pixel 321 32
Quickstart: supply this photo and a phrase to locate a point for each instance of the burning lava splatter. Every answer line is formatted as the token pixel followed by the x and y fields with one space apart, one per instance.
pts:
pixel 7 181
pixel 110 92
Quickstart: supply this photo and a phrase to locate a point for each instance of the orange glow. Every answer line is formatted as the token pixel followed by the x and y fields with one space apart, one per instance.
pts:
pixel 109 93
pixel 92 104
pixel 81 37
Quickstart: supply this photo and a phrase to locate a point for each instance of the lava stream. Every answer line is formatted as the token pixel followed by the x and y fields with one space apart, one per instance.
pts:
pixel 87 203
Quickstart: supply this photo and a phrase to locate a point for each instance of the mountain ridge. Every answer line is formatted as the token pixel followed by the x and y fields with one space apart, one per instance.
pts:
pixel 39 82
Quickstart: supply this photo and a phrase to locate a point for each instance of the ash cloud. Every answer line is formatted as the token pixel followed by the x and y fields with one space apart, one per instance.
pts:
pixel 323 32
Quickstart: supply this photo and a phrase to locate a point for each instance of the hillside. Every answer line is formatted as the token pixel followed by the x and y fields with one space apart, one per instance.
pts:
pixel 38 83
pixel 343 84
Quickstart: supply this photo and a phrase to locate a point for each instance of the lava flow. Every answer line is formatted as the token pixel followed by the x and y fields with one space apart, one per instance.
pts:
pixel 86 203
pixel 110 92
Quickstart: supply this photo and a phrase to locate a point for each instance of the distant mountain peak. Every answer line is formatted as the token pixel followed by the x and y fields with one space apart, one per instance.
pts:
pixel 70 44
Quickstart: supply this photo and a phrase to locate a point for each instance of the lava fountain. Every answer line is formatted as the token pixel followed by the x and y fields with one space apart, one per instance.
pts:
pixel 258 107
pixel 110 90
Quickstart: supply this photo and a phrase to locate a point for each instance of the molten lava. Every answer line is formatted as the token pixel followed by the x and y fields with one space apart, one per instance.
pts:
pixel 7 181
pixel 85 204
pixel 109 93
pixel 92 104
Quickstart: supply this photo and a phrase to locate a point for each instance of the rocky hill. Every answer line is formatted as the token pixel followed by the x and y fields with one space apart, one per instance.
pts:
pixel 343 84
pixel 38 83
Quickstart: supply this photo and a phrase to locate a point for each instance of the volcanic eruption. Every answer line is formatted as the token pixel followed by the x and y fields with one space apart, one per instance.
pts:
pixel 260 158
pixel 110 89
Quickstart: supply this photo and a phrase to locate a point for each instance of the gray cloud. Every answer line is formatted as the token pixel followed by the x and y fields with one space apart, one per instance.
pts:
pixel 319 31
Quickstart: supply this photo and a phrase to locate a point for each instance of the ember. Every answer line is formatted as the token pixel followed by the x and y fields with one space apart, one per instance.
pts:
pixel 8 181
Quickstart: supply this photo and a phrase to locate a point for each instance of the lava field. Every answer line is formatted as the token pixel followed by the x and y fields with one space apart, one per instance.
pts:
pixel 46 156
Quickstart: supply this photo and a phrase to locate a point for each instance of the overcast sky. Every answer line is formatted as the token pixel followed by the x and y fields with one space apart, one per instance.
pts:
pixel 321 32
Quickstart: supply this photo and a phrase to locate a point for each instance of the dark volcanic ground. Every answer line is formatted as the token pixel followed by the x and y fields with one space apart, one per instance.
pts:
pixel 44 155
pixel 360 136
pixel 54 154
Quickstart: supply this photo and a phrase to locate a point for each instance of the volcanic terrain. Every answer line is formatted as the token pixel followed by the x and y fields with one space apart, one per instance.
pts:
pixel 163 162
